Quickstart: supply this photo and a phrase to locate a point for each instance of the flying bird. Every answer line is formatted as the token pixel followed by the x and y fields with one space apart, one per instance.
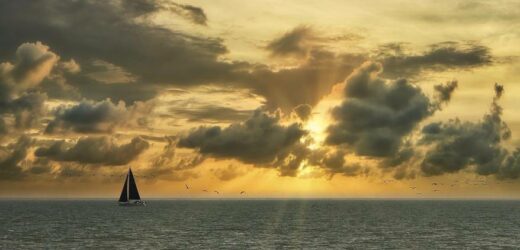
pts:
pixel 216 192
pixel 205 190
pixel 243 192
pixel 186 185
pixel 413 187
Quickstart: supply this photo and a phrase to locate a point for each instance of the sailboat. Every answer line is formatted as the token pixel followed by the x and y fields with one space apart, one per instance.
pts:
pixel 130 194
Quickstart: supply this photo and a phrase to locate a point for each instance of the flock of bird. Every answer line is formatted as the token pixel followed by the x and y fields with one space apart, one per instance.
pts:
pixel 214 191
pixel 436 185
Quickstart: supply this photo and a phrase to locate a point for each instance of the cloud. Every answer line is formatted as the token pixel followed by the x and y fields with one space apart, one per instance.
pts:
pixel 439 57
pixel 97 117
pixel 228 173
pixel 293 43
pixel 377 114
pixel 94 150
pixel 19 80
pixel 164 56
pixel 193 13
pixel 11 156
pixel 260 140
pixel 170 159
pixel 149 7
pixel 457 145
pixel 211 113
pixel 3 127
pixel 333 162
pixel 33 62
pixel 304 84
pixel 303 111
pixel 444 92
pixel 28 109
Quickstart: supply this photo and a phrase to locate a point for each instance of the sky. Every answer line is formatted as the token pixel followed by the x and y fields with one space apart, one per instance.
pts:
pixel 332 99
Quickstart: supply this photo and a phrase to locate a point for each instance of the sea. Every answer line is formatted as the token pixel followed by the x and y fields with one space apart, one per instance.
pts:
pixel 260 224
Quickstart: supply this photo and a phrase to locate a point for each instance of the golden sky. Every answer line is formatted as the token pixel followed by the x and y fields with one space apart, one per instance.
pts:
pixel 355 99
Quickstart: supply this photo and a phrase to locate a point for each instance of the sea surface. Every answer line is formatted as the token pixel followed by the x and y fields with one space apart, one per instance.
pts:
pixel 260 224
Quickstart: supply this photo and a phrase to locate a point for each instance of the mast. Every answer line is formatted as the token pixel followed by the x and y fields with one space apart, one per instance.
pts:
pixel 127 178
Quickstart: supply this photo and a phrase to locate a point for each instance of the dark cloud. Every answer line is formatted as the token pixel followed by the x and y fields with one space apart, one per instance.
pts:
pixel 211 113
pixel 169 159
pixel 377 114
pixel 118 33
pixel 190 12
pixel 109 31
pixel 303 111
pixel 444 92
pixel 439 57
pixel 499 90
pixel 149 7
pixel 94 150
pixel 3 127
pixel 40 166
pixel 305 84
pixel 95 117
pixel 170 165
pixel 334 163
pixel 18 82
pixel 33 62
pixel 260 140
pixel 11 157
pixel 457 145
pixel 292 43
pixel 28 109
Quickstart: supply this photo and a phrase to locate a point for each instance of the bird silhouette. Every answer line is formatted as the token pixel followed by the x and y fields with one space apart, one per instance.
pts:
pixel 186 185
pixel 413 187
pixel 243 192
pixel 216 192
pixel 205 190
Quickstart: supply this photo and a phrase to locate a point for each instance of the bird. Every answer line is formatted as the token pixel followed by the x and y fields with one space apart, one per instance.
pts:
pixel 413 187
pixel 205 190
pixel 435 184
pixel 243 192
pixel 216 192
pixel 436 190
pixel 186 185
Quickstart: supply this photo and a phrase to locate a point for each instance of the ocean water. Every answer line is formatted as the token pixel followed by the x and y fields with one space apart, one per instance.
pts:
pixel 260 224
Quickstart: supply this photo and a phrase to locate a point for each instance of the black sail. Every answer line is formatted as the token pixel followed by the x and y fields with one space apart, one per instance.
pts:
pixel 124 193
pixel 132 189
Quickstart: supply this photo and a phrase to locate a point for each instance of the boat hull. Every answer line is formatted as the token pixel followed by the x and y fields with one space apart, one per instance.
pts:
pixel 132 204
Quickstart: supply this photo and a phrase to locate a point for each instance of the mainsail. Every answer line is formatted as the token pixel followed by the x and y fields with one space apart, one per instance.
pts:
pixel 129 191
pixel 133 194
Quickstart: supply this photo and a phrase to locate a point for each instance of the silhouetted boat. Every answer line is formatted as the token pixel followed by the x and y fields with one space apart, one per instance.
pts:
pixel 130 194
